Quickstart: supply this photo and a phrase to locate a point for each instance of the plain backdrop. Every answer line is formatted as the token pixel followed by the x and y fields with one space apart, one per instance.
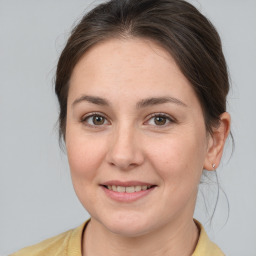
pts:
pixel 37 200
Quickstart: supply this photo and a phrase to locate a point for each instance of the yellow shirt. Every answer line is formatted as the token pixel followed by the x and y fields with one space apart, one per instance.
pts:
pixel 69 244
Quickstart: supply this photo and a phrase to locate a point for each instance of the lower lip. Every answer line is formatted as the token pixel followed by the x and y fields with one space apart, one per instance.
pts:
pixel 126 197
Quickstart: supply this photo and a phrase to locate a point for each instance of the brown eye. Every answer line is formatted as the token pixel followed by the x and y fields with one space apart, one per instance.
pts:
pixel 95 120
pixel 160 120
pixel 98 120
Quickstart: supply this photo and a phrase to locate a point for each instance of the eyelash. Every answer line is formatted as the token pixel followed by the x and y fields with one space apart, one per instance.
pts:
pixel 161 115
pixel 91 115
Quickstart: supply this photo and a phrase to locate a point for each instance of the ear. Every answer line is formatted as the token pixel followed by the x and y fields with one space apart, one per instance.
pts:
pixel 216 142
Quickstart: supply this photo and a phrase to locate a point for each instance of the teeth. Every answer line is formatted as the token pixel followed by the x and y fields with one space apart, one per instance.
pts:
pixel 130 189
pixel 120 189
pixel 138 188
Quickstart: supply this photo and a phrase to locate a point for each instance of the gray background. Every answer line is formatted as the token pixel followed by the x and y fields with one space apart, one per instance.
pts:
pixel 36 196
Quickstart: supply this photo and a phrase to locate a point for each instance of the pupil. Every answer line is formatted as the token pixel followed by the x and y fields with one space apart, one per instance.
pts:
pixel 98 120
pixel 160 120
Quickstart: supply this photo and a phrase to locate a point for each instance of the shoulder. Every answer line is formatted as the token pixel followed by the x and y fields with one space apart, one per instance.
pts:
pixel 205 247
pixel 67 243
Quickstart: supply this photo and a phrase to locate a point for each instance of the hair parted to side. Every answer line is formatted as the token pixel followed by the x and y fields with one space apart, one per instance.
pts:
pixel 176 25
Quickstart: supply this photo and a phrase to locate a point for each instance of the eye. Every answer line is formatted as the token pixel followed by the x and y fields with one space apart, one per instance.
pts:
pixel 159 120
pixel 95 120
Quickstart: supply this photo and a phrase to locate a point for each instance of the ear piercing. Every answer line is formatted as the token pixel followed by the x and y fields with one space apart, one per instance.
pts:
pixel 213 166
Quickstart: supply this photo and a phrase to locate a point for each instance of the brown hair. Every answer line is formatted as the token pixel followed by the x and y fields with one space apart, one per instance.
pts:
pixel 176 25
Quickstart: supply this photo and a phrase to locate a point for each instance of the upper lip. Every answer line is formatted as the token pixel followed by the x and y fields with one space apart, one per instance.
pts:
pixel 126 183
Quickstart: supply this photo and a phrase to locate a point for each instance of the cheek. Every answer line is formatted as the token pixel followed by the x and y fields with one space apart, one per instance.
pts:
pixel 178 159
pixel 85 155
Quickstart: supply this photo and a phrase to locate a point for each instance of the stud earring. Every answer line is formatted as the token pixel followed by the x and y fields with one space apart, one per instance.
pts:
pixel 213 166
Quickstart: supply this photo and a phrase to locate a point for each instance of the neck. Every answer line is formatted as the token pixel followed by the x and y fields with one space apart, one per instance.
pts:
pixel 179 240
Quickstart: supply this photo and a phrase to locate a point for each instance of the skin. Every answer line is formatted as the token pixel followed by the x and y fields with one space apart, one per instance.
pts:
pixel 128 144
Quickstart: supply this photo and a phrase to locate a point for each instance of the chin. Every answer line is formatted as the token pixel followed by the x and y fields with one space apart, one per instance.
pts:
pixel 127 226
pixel 128 231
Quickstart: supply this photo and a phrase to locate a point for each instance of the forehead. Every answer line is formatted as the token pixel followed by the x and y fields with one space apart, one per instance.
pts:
pixel 131 54
pixel 131 66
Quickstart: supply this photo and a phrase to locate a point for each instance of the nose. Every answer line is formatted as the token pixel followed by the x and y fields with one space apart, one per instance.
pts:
pixel 125 151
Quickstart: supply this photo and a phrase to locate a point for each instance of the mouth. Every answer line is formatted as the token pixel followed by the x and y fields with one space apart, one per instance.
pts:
pixel 128 189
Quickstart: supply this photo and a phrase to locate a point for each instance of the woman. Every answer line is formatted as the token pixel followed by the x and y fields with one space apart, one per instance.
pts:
pixel 142 89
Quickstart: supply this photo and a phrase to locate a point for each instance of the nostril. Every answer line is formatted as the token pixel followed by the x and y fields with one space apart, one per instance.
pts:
pixel 124 153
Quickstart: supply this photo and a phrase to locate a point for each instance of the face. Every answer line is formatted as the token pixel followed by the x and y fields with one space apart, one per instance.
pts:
pixel 135 137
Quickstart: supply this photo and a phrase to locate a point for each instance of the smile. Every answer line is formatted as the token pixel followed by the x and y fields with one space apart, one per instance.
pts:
pixel 127 191
pixel 130 189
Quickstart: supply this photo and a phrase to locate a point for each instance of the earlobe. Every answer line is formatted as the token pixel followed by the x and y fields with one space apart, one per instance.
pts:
pixel 217 142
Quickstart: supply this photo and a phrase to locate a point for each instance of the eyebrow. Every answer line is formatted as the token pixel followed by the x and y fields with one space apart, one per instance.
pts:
pixel 159 100
pixel 91 99
pixel 141 104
